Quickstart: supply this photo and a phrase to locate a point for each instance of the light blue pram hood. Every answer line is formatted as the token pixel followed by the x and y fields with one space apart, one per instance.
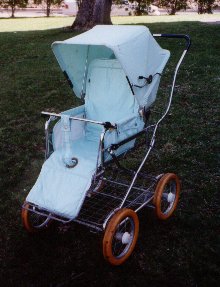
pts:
pixel 134 46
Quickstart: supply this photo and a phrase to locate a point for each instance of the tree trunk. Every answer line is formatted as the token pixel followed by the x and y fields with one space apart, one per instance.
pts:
pixel 209 8
pixel 48 8
pixel 12 11
pixel 200 9
pixel 84 15
pixel 78 2
pixel 91 13
pixel 138 9
pixel 101 12
pixel 173 8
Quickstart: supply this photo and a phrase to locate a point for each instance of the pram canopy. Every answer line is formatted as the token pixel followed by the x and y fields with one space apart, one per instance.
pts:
pixel 133 46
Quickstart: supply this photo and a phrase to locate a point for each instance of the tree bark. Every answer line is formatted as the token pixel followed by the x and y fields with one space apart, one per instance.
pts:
pixel 12 11
pixel 78 2
pixel 48 8
pixel 209 8
pixel 84 15
pixel 91 13
pixel 101 12
pixel 173 8
pixel 138 9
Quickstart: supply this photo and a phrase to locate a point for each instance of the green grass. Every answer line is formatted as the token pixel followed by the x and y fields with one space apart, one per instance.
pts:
pixel 184 251
pixel 43 23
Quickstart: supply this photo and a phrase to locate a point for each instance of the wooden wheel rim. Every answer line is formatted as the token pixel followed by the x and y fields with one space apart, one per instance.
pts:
pixel 166 179
pixel 114 233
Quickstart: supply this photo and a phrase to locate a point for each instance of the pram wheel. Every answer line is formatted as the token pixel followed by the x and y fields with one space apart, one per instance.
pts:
pixel 33 222
pixel 120 236
pixel 166 195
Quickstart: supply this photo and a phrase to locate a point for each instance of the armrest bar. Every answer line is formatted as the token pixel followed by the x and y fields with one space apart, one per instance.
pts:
pixel 107 125
pixel 116 146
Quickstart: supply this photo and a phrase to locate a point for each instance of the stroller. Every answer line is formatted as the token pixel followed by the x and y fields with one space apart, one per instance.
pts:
pixel 116 71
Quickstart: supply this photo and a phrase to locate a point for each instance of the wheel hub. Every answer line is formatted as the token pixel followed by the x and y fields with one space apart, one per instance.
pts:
pixel 170 197
pixel 126 237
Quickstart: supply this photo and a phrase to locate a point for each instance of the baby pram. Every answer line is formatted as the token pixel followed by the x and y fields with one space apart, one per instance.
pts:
pixel 116 71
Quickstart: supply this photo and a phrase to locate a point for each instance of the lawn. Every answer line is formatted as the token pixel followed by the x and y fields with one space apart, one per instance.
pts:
pixel 184 251
pixel 43 23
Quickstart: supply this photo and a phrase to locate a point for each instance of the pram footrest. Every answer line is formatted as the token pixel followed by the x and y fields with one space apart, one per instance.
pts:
pixel 43 212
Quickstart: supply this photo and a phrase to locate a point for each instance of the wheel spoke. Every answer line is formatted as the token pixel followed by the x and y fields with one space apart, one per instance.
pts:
pixel 165 195
pixel 119 248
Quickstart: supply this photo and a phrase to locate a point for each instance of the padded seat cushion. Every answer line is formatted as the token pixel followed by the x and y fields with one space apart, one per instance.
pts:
pixel 108 95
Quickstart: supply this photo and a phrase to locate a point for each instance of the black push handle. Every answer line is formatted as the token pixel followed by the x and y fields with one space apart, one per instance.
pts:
pixel 178 36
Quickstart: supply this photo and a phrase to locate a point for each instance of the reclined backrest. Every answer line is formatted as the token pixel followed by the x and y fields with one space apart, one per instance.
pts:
pixel 108 95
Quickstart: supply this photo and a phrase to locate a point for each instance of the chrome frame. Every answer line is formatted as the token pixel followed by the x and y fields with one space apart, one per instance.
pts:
pixel 79 119
pixel 47 135
pixel 148 193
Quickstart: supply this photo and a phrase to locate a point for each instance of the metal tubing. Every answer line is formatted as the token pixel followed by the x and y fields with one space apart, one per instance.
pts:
pixel 116 146
pixel 49 215
pixel 177 36
pixel 102 148
pixel 165 113
pixel 108 217
pixel 145 203
pixel 88 225
pixel 136 174
pixel 123 184
pixel 47 138
pixel 47 126
pixel 79 119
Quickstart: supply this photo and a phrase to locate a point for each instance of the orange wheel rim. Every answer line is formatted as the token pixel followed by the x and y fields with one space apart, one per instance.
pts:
pixel 172 198
pixel 120 236
pixel 25 220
